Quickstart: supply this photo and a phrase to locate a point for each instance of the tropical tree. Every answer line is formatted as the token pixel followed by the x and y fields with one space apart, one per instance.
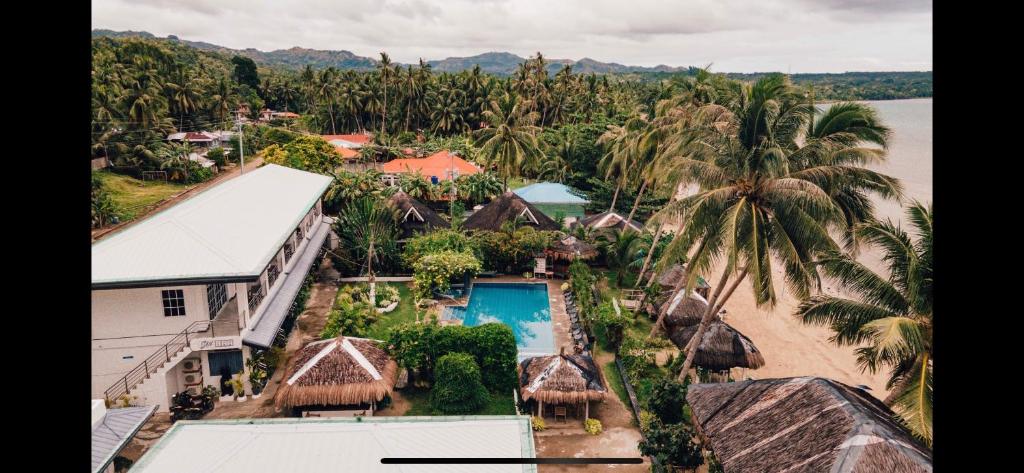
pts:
pixel 368 229
pixel 750 207
pixel 620 248
pixel 889 316
pixel 509 143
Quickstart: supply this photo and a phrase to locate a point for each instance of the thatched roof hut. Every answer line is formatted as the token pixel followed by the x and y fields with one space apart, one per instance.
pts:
pixel 506 208
pixel 723 347
pixel 802 424
pixel 687 312
pixel 609 220
pixel 338 371
pixel 416 218
pixel 561 379
pixel 570 248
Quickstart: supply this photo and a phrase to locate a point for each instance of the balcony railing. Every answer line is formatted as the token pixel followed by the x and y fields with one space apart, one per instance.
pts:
pixel 289 250
pixel 272 273
pixel 256 294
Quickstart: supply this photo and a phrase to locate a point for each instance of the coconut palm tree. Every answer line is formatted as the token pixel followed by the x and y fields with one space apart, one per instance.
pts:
pixel 368 229
pixel 889 316
pixel 509 143
pixel 620 248
pixel 385 73
pixel 751 209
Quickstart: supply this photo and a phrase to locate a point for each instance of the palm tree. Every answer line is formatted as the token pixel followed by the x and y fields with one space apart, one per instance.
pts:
pixel 385 70
pixel 368 228
pixel 750 208
pixel 892 315
pixel 509 143
pixel 620 248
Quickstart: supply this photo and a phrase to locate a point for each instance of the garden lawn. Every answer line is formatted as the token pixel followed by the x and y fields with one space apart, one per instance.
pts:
pixel 611 373
pixel 405 312
pixel 419 400
pixel 132 195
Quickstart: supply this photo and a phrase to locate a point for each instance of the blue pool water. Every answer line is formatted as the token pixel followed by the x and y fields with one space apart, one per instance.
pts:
pixel 524 307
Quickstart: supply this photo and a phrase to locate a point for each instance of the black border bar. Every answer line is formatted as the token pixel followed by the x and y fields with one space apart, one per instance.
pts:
pixel 511 461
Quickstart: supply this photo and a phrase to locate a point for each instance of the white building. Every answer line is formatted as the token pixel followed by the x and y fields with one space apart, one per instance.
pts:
pixel 112 429
pixel 339 444
pixel 187 294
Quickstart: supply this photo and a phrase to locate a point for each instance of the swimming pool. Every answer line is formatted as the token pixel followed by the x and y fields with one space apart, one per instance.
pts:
pixel 522 306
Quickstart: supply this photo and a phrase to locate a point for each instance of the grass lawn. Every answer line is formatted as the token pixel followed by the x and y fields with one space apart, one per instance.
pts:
pixel 405 312
pixel 420 404
pixel 611 372
pixel 132 195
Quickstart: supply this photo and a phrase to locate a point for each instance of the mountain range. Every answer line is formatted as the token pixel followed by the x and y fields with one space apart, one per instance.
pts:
pixel 498 63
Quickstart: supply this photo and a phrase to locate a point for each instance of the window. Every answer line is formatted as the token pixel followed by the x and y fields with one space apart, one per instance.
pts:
pixel 216 296
pixel 255 295
pixel 174 302
pixel 225 363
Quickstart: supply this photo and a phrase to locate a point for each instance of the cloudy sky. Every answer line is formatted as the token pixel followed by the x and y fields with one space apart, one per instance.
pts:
pixel 734 35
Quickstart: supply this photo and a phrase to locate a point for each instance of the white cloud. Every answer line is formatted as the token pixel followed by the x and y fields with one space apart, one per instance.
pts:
pixel 741 36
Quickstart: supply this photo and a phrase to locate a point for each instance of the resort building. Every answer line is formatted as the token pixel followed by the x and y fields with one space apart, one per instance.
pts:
pixel 440 166
pixel 506 208
pixel 185 296
pixel 112 429
pixel 605 220
pixel 553 198
pixel 348 145
pixel 802 424
pixel 338 377
pixel 340 444
pixel 415 217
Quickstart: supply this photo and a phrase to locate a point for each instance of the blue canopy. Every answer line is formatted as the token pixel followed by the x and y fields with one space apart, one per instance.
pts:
pixel 549 193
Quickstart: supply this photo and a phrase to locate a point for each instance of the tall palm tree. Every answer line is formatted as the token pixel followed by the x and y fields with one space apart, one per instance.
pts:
pixel 890 317
pixel 385 72
pixel 750 208
pixel 509 143
pixel 368 228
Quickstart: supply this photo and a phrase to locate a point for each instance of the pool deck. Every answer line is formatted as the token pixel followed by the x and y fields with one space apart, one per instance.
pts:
pixel 559 318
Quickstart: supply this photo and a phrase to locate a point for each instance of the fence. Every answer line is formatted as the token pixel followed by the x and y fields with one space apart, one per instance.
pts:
pixel 633 402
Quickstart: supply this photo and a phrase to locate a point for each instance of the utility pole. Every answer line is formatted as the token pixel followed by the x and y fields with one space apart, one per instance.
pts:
pixel 241 145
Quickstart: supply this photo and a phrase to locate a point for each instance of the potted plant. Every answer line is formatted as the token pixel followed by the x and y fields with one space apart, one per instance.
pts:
pixel 238 387
pixel 257 378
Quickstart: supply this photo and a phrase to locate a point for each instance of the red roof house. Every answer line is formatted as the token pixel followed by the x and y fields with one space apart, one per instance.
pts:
pixel 437 165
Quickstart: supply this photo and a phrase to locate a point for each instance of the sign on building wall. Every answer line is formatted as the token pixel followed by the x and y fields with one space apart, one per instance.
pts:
pixel 216 343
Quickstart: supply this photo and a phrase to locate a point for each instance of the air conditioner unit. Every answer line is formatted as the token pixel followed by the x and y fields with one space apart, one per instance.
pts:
pixel 193 378
pixel 191 365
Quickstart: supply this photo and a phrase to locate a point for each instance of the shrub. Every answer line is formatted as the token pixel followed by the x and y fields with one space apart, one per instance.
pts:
pixel 494 346
pixel 613 324
pixel 592 426
pixel 667 399
pixel 671 444
pixel 198 174
pixel 217 156
pixel 434 272
pixel 458 389
pixel 638 357
pixel 435 242
pixel 418 346
pixel 537 423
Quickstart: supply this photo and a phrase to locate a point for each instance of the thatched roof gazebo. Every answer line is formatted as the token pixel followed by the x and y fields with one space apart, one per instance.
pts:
pixel 570 248
pixel 802 424
pixel 722 348
pixel 561 379
pixel 416 218
pixel 671 276
pixel 340 371
pixel 506 208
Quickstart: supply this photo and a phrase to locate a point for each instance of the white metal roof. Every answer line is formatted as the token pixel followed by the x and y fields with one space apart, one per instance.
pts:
pixel 338 444
pixel 229 230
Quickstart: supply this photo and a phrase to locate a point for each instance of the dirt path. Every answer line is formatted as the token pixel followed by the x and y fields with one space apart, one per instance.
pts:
pixel 219 178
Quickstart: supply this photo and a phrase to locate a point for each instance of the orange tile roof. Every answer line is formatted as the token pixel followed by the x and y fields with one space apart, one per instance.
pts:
pixel 437 164
pixel 346 152
pixel 358 139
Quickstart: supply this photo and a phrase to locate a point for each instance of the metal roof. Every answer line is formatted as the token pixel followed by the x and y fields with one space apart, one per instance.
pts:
pixel 549 193
pixel 228 231
pixel 261 333
pixel 116 428
pixel 339 444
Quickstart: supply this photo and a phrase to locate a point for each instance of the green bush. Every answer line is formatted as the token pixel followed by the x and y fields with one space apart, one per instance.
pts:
pixel 434 272
pixel 435 242
pixel 198 174
pixel 612 324
pixel 672 445
pixel 511 251
pixel 537 423
pixel 667 399
pixel 592 426
pixel 418 346
pixel 217 156
pixel 458 389
pixel 638 357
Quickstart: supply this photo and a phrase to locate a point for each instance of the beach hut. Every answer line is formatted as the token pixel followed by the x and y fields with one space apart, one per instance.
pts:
pixel 564 251
pixel 671 276
pixel 687 312
pixel 802 424
pixel 342 376
pixel 609 220
pixel 560 380
pixel 506 208
pixel 721 349
pixel 552 197
pixel 415 217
